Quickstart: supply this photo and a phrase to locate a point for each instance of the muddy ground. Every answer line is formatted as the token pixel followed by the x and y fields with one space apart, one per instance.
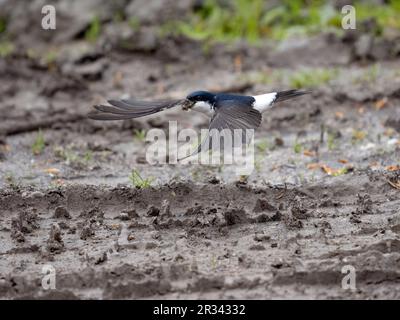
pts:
pixel 324 192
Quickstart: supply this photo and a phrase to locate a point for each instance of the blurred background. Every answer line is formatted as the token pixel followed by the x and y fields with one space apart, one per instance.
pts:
pixel 164 49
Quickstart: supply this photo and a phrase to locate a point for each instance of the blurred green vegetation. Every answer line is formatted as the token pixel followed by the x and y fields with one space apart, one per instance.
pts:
pixel 300 78
pixel 93 32
pixel 6 48
pixel 256 19
pixel 3 25
pixel 134 23
pixel 310 78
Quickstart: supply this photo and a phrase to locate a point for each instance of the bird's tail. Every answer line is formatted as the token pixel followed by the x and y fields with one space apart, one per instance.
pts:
pixel 289 94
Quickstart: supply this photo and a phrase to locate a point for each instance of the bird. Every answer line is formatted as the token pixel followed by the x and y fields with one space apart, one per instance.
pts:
pixel 226 110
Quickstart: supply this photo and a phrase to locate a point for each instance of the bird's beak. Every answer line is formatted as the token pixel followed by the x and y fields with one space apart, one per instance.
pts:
pixel 187 104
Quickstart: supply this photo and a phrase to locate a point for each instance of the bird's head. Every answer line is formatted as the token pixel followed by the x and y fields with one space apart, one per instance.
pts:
pixel 198 96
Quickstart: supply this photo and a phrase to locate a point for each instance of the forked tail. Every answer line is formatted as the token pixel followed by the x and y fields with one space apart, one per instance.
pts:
pixel 289 94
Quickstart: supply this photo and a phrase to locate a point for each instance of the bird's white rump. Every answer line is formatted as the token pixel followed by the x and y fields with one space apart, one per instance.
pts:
pixel 264 102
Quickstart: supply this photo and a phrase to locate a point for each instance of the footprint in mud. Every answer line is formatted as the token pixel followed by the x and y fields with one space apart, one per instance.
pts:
pixel 55 243
pixel 61 212
pixel 365 204
pixel 24 223
pixel 235 216
pixel 298 212
pixel 292 222
pixel 127 215
pixel 87 232
pixel 267 212
pixel 263 205
pixel 152 211
pixel 93 219
pixel 93 215
pixel 298 209
pixel 163 217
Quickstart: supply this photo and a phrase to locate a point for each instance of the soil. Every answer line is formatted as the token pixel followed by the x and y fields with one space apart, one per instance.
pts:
pixel 325 192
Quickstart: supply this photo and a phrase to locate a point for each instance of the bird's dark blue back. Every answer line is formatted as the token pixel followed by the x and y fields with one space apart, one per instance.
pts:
pixel 248 100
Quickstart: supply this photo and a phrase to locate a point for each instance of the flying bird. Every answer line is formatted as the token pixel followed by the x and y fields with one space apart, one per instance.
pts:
pixel 227 111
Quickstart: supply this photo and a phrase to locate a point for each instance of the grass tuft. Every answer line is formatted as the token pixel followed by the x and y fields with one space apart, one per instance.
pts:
pixel 73 158
pixel 139 134
pixel 263 145
pixel 137 180
pixel 297 147
pixel 39 144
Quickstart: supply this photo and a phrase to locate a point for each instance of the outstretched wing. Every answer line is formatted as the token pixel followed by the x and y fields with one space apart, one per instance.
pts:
pixel 130 108
pixel 231 117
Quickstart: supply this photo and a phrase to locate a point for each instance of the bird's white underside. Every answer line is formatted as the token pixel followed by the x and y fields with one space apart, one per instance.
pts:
pixel 262 103
pixel 203 107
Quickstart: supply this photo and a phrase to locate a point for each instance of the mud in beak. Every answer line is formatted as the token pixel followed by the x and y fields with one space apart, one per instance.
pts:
pixel 187 104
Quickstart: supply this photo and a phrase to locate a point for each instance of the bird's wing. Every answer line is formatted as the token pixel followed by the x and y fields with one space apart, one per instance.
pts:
pixel 230 115
pixel 126 109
